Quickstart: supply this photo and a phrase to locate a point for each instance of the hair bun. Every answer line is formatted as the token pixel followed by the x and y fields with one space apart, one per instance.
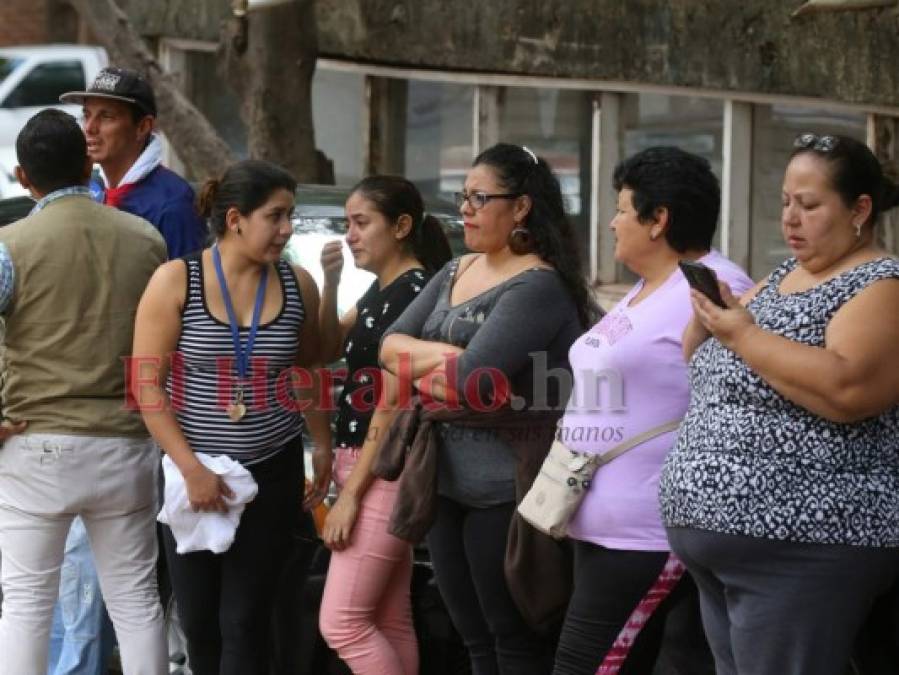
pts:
pixel 206 197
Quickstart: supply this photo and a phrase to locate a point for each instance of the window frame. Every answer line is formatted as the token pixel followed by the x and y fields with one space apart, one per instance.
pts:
pixel 606 134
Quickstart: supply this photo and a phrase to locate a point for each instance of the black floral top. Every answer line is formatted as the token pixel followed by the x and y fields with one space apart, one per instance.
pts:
pixel 375 311
pixel 749 462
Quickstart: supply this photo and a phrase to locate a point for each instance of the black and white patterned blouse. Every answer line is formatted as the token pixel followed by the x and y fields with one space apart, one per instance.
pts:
pixel 749 462
pixel 375 311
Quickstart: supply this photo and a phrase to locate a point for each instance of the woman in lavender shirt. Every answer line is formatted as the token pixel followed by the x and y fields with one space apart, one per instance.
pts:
pixel 629 377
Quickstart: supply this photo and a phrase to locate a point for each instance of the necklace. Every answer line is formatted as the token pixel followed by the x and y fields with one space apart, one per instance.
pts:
pixel 237 408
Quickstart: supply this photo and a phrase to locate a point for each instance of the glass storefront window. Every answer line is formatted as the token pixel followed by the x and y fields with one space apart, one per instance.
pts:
pixel 555 124
pixel 774 129
pixel 438 136
pixel 337 113
pixel 692 123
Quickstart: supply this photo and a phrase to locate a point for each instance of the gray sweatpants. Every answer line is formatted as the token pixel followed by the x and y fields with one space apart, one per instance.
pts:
pixel 782 608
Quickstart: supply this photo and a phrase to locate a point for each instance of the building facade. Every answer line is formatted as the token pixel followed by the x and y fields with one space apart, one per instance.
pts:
pixel 418 87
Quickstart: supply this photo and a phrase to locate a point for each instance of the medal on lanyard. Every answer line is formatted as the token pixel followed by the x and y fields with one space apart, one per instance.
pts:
pixel 237 408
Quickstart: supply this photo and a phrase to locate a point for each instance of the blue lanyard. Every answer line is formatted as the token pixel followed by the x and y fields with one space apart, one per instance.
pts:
pixel 241 355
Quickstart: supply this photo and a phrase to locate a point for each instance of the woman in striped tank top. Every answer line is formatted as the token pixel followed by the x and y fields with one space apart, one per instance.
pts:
pixel 236 320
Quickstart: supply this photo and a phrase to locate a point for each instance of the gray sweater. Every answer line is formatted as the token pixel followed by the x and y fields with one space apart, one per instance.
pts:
pixel 524 321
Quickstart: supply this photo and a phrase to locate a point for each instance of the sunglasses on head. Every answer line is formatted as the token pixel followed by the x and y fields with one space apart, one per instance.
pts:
pixel 816 142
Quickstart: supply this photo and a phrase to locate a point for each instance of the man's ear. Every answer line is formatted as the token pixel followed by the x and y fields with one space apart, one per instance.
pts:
pixel 145 126
pixel 22 177
pixel 26 183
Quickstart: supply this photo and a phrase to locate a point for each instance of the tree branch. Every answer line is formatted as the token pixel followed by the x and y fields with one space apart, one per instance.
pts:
pixel 267 57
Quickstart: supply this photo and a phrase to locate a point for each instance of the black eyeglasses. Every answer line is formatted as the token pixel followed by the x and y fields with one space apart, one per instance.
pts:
pixel 815 142
pixel 478 200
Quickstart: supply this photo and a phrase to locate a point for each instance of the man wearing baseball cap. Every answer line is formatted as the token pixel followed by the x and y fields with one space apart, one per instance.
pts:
pixel 119 119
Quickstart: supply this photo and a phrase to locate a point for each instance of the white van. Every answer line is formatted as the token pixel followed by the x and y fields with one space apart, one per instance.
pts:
pixel 32 78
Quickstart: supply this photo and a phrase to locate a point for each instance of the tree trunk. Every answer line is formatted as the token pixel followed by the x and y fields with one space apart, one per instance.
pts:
pixel 267 56
pixel 187 129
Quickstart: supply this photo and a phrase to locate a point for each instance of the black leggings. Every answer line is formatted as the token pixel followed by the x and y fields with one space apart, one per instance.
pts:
pixel 608 586
pixel 468 546
pixel 225 601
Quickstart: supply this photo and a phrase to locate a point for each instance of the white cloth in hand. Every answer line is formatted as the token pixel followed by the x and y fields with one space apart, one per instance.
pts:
pixel 205 530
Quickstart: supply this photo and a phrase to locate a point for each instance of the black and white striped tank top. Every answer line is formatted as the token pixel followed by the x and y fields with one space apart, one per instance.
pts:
pixel 202 380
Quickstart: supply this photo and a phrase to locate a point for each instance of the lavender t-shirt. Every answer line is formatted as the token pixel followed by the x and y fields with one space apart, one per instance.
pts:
pixel 630 376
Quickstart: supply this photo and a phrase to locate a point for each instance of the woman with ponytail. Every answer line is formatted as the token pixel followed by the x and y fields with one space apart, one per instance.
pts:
pixel 217 335
pixel 366 613
pixel 507 315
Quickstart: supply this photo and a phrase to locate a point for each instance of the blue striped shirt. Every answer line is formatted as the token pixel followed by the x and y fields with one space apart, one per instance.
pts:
pixel 7 277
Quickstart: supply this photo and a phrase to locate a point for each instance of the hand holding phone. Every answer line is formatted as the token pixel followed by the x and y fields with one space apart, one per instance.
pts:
pixel 702 279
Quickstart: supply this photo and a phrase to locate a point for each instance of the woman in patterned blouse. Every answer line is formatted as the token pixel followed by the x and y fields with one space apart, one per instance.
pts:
pixel 782 493
pixel 366 613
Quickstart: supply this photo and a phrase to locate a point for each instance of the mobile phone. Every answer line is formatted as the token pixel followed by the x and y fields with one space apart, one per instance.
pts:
pixel 703 280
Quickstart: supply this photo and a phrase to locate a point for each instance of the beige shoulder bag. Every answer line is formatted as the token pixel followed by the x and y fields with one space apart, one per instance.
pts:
pixel 564 479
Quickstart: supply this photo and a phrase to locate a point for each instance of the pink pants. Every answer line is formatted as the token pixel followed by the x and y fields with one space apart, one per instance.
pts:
pixel 366 610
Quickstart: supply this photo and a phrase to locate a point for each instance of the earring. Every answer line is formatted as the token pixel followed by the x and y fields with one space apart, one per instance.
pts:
pixel 858 230
pixel 521 241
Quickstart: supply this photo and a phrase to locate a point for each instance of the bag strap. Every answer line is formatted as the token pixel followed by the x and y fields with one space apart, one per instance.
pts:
pixel 621 448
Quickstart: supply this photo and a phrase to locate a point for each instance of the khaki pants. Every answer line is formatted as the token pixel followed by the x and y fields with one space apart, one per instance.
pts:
pixel 45 481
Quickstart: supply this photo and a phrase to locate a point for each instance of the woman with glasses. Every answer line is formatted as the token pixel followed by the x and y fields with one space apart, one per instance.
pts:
pixel 366 612
pixel 518 302
pixel 782 492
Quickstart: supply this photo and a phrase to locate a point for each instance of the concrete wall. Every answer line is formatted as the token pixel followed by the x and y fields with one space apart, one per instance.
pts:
pixel 749 46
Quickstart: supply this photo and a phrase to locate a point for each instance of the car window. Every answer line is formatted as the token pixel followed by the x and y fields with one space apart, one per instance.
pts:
pixel 43 85
pixel 7 65
pixel 14 208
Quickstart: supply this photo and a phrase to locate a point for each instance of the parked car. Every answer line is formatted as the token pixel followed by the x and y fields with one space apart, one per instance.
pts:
pixel 14 208
pixel 31 79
